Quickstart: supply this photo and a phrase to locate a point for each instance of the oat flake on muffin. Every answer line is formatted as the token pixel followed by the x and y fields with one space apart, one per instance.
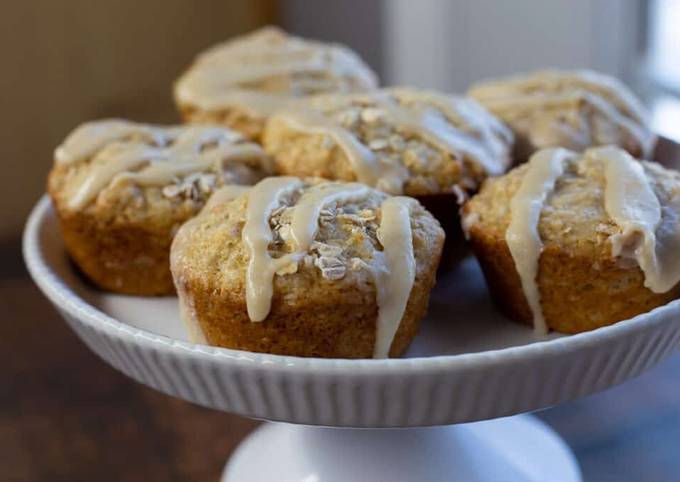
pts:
pixel 121 189
pixel 307 268
pixel 435 147
pixel 398 140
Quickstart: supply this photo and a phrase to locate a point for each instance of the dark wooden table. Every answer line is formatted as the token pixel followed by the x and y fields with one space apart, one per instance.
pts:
pixel 67 416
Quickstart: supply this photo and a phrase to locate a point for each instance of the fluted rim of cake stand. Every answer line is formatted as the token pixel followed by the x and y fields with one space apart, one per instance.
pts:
pixel 65 298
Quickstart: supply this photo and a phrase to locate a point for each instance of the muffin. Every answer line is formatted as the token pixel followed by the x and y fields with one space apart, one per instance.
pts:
pixel 572 242
pixel 571 109
pixel 435 147
pixel 121 190
pixel 307 268
pixel 239 83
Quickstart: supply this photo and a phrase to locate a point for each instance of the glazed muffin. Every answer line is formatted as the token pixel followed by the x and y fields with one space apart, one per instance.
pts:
pixel 435 147
pixel 121 190
pixel 571 109
pixel 572 242
pixel 239 83
pixel 307 268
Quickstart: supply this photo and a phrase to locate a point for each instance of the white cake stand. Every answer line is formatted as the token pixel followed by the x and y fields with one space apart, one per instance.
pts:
pixel 467 365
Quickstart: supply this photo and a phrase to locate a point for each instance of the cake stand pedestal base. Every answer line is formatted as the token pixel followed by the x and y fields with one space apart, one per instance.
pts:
pixel 513 449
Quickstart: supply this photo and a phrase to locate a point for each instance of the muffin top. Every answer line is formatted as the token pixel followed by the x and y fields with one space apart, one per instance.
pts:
pixel 298 237
pixel 263 70
pixel 140 169
pixel 572 109
pixel 601 205
pixel 399 140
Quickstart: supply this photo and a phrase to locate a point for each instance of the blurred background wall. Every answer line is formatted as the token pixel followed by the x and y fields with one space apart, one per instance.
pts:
pixel 68 61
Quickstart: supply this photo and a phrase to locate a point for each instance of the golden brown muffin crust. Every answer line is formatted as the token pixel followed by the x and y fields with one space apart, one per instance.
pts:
pixel 325 305
pixel 120 238
pixel 428 168
pixel 582 285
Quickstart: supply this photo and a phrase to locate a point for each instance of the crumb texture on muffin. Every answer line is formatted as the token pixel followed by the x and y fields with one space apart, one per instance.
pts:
pixel 122 189
pixel 308 267
pixel 577 241
pixel 397 140
pixel 571 109
pixel 105 154
pixel 261 71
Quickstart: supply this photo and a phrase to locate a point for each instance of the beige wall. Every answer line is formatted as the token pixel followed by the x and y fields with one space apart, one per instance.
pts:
pixel 67 61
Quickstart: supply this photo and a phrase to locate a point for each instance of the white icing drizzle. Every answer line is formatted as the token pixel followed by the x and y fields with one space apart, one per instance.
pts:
pixel 495 137
pixel 263 199
pixel 157 155
pixel 91 137
pixel 562 81
pixel 225 194
pixel 119 161
pixel 180 162
pixel 649 234
pixel 186 310
pixel 551 88
pixel 462 127
pixel 393 270
pixel 522 235
pixel 368 169
pixel 305 221
pixel 510 105
pixel 220 76
pixel 490 146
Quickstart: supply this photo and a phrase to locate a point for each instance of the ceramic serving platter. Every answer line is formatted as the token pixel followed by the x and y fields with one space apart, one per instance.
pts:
pixel 468 363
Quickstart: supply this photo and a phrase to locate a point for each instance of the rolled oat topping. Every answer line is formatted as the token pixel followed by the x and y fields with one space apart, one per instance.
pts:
pixel 185 162
pixel 289 221
pixel 394 137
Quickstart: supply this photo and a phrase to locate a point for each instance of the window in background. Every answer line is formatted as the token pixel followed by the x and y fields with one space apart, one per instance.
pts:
pixel 664 44
pixel 663 65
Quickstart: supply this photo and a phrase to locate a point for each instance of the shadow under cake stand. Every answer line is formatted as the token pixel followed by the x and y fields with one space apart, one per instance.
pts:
pixel 467 368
